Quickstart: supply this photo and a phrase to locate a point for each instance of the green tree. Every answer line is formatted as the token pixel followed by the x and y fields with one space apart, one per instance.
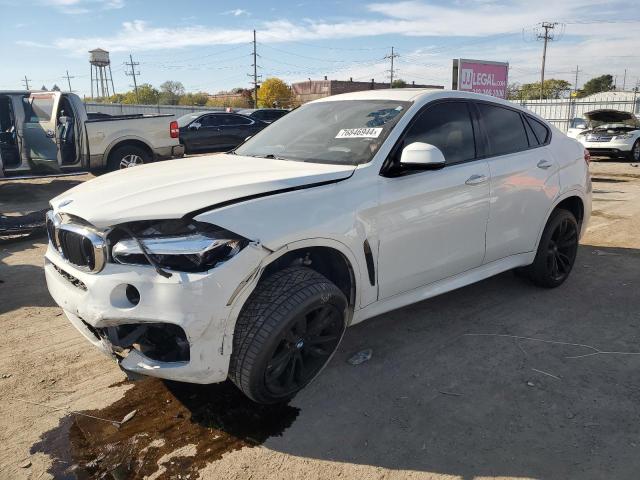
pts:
pixel 399 83
pixel 553 88
pixel 170 92
pixel 603 83
pixel 147 95
pixel 513 91
pixel 274 93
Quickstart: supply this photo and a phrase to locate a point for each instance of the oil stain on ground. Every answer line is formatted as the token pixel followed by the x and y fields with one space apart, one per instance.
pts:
pixel 177 429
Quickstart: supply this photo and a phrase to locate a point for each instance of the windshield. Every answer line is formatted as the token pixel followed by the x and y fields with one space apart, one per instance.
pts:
pixel 344 132
pixel 185 120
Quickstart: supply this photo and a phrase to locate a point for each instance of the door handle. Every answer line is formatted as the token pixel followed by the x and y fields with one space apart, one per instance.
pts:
pixel 476 179
pixel 544 164
pixel 50 133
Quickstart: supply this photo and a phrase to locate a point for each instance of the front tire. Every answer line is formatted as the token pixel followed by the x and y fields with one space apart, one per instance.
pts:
pixel 557 250
pixel 634 154
pixel 286 334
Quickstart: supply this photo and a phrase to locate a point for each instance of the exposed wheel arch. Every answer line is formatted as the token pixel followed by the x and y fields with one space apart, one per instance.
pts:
pixel 328 261
pixel 575 205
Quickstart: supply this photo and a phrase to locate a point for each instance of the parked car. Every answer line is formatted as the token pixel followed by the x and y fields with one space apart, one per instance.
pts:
pixel 216 131
pixel 610 133
pixel 267 115
pixel 51 132
pixel 250 265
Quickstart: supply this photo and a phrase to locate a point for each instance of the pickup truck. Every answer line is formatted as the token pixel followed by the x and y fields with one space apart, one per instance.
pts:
pixel 51 132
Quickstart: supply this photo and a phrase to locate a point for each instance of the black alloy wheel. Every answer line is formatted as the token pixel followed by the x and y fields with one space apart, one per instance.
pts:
pixel 286 333
pixel 557 250
pixel 303 350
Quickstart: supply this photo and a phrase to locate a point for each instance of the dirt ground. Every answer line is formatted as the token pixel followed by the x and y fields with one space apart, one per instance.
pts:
pixel 496 380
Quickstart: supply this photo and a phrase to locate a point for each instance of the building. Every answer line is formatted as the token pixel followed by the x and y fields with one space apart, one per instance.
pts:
pixel 314 89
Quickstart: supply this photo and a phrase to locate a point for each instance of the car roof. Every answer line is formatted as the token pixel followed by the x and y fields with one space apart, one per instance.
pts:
pixel 411 95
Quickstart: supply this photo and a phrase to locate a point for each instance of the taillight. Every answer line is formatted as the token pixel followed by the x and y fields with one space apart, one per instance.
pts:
pixel 587 156
pixel 174 130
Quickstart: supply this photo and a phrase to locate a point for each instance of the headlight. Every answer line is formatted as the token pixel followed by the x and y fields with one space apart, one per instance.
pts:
pixel 623 137
pixel 178 245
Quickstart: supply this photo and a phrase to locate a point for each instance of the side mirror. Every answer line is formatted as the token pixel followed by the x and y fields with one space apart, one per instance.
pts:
pixel 195 126
pixel 420 155
pixel 63 120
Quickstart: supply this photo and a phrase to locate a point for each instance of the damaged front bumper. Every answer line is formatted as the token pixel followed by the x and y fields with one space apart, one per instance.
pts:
pixel 172 328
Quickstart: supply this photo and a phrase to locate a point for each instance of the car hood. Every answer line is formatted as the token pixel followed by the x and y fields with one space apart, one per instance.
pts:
pixel 175 188
pixel 609 116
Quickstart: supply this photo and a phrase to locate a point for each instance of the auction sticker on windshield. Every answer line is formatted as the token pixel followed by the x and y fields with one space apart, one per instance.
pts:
pixel 359 133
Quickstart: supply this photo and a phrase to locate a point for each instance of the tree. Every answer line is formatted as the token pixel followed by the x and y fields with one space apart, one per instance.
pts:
pixel 603 83
pixel 399 83
pixel 553 88
pixel 147 95
pixel 170 92
pixel 199 98
pixel 55 88
pixel 274 93
pixel 43 87
pixel 513 91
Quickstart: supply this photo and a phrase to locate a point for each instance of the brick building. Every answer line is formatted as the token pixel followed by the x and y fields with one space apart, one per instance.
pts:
pixel 314 89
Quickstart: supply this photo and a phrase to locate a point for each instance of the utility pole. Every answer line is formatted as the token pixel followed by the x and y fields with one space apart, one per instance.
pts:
pixel 26 82
pixel 575 85
pixel 255 72
pixel 546 36
pixel 391 57
pixel 624 81
pixel 68 80
pixel 133 74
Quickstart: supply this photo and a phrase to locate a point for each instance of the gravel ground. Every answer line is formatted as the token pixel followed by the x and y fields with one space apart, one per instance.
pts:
pixel 496 380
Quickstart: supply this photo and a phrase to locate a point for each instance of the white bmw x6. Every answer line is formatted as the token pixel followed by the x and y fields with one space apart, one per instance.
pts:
pixel 250 265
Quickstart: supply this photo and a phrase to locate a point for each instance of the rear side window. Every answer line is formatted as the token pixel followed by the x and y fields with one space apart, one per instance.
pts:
pixel 539 128
pixel 448 127
pixel 237 120
pixel 504 128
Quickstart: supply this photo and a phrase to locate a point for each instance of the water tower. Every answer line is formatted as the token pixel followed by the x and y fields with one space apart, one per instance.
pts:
pixel 100 73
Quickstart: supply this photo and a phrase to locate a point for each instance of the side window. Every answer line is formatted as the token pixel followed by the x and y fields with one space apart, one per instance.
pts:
pixel 260 115
pixel 211 121
pixel 448 127
pixel 505 129
pixel 541 131
pixel 533 140
pixel 41 108
pixel 238 120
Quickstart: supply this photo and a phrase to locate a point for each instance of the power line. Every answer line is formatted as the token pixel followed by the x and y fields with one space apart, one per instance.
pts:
pixel 546 36
pixel 392 56
pixel 26 82
pixel 133 74
pixel 68 80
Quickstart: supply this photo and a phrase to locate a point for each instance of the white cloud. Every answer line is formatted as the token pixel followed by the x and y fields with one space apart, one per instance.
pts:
pixel 79 7
pixel 236 12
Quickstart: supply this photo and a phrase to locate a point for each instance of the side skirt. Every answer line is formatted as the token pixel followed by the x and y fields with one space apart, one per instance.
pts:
pixel 442 286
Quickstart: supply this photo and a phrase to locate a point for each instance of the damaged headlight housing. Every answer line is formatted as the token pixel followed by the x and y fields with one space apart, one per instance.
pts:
pixel 178 245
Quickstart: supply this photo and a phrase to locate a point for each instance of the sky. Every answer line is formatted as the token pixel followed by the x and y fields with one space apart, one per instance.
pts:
pixel 207 46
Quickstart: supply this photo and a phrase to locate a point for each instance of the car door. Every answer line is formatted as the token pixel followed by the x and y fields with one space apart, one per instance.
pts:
pixel 524 179
pixel 431 224
pixel 212 134
pixel 40 128
pixel 238 128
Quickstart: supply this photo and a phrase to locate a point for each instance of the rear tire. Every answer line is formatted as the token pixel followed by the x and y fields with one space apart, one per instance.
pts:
pixel 286 333
pixel 127 156
pixel 557 250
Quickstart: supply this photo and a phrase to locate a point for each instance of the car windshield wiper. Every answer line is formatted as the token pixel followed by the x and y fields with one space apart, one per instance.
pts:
pixel 270 156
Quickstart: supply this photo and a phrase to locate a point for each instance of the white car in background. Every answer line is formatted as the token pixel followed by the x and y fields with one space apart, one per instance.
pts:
pixel 609 133
pixel 250 265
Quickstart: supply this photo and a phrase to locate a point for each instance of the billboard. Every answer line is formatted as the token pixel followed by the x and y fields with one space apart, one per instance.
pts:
pixel 480 76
